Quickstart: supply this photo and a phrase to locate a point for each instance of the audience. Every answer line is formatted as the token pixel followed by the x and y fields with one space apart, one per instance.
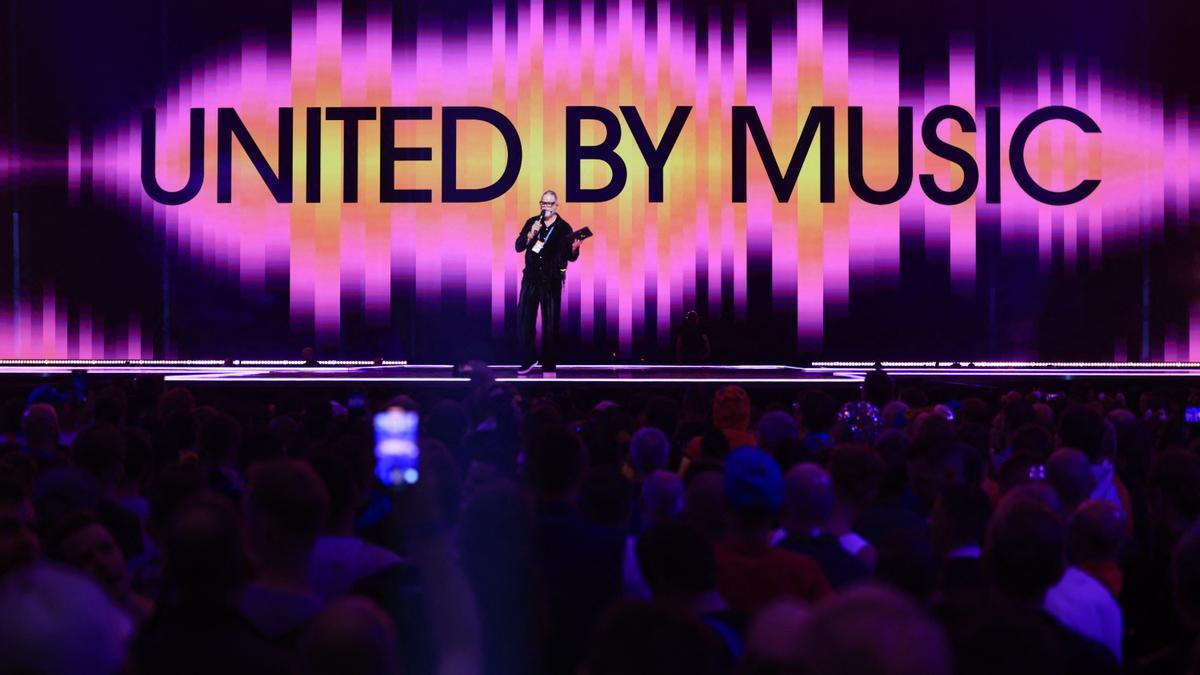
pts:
pixel 752 572
pixel 807 511
pixel 892 530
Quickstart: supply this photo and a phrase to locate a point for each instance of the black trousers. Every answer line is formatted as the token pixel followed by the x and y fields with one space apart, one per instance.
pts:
pixel 547 296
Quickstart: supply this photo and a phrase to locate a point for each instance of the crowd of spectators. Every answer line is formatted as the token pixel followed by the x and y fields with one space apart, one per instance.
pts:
pixel 153 529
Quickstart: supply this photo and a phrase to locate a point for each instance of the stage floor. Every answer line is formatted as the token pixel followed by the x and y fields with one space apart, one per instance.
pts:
pixel 342 373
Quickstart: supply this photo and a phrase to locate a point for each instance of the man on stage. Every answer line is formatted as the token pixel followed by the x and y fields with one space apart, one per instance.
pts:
pixel 549 244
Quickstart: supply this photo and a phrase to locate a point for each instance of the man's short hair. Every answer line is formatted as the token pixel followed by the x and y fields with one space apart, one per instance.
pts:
pixel 555 461
pixel 649 450
pixel 551 192
pixel 1024 548
pixel 675 558
pixel 290 503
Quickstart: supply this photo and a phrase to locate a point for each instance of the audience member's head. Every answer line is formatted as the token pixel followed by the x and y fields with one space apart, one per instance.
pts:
pixel 704 503
pixel 346 492
pixel 1082 427
pixel 676 561
pixel 1175 492
pixel 605 496
pixel 772 644
pixel 219 438
pixel 662 413
pixel 649 451
pixel 731 408
pixel 774 429
pixel 1024 549
pixel 641 638
pixel 55 620
pixel 205 563
pixel 818 412
pixel 1034 440
pixel 18 529
pixel 286 510
pixel 112 405
pixel 1185 578
pixel 936 460
pixel 753 489
pixel 1070 473
pixel 39 425
pixel 714 446
pixel 447 422
pixel 857 473
pixel 1095 532
pixel 807 499
pixel 662 497
pixel 974 411
pixel 878 388
pixel 960 517
pixel 907 561
pixel 100 450
pixel 555 461
pixel 872 630
pixel 351 635
pixel 83 542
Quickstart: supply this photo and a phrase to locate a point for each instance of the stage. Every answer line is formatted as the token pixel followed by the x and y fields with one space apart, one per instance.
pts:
pixel 400 375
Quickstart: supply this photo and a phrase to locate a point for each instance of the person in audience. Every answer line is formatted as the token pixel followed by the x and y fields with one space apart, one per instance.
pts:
pixel 218 441
pixel 1024 558
pixel 1082 427
pixel 752 573
pixel 56 620
pixel 871 630
pixel 500 561
pixel 100 451
pixel 81 541
pixel 1181 655
pixel 704 502
pixel 731 416
pixel 1070 473
pixel 1080 601
pixel 818 414
pixel 857 473
pixel 1096 537
pixel 580 562
pixel 42 441
pixel 286 507
pixel 19 542
pixel 960 520
pixel 340 559
pixel 680 569
pixel 1146 601
pixel 350 636
pixel 197 626
pixel 649 451
pixel 642 638
pixel 807 510
pixel 776 430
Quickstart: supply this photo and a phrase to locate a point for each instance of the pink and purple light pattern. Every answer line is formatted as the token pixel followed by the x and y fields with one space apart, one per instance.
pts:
pixel 337 256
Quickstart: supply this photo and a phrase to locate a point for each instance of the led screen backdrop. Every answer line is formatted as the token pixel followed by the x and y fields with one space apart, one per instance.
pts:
pixel 871 180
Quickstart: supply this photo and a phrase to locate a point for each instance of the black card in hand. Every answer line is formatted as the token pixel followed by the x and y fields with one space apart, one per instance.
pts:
pixel 582 233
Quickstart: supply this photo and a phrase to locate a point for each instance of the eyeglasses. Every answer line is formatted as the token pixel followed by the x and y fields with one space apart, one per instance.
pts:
pixel 547 203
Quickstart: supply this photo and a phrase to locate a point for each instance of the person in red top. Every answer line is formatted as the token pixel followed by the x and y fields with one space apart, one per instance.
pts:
pixel 731 415
pixel 751 573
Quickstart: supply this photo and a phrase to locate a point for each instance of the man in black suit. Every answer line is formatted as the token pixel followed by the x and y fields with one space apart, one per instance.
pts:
pixel 549 245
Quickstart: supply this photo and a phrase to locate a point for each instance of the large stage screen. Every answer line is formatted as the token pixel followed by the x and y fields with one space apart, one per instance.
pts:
pixel 866 180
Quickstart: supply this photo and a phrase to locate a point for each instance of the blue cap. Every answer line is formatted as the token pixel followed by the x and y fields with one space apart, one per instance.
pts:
pixel 753 480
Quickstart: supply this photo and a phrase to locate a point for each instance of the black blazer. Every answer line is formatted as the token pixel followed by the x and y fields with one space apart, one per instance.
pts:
pixel 551 263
